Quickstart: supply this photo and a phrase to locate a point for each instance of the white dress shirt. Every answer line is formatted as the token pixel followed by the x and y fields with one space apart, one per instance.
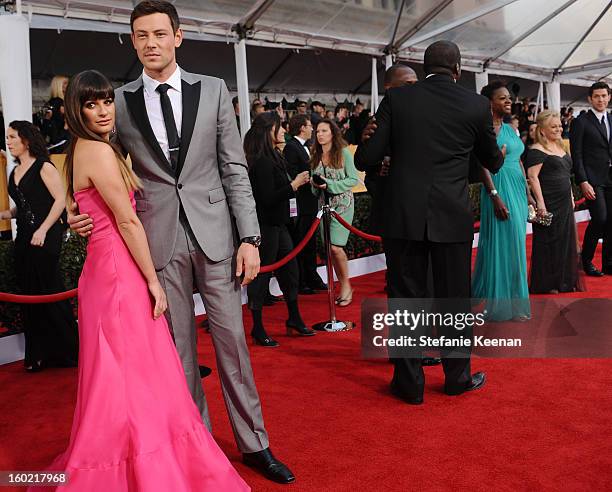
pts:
pixel 302 142
pixel 599 115
pixel 154 110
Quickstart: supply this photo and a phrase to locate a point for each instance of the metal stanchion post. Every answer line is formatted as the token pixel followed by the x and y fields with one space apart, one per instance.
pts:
pixel 332 324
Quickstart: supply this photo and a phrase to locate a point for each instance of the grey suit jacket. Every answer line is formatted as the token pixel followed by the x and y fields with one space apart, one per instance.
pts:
pixel 211 182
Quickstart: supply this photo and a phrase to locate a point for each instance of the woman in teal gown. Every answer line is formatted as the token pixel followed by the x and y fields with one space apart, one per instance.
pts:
pixel 500 274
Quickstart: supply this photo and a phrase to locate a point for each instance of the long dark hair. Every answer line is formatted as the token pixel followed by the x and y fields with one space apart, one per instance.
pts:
pixel 32 138
pixel 89 85
pixel 338 143
pixel 258 141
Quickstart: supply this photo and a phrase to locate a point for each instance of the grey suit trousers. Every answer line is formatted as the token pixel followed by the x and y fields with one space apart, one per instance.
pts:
pixel 220 290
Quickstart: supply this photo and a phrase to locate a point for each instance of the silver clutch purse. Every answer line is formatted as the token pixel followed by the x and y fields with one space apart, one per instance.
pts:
pixel 534 218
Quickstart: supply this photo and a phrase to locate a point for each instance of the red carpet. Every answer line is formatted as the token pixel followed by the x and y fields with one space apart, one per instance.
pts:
pixel 537 425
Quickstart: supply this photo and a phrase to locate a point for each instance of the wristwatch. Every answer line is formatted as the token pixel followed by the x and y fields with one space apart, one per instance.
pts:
pixel 493 193
pixel 254 240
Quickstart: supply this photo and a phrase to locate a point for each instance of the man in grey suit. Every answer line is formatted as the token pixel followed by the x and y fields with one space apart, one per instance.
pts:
pixel 180 132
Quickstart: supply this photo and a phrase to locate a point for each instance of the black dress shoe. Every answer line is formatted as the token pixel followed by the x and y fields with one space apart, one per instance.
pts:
pixel 478 381
pixel 298 326
pixel 306 291
pixel 591 271
pixel 431 361
pixel 265 462
pixel 607 270
pixel 265 341
pixel 204 371
pixel 412 400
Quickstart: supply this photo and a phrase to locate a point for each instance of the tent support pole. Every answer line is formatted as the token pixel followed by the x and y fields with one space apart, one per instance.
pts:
pixel 374 105
pixel 242 81
pixel 553 93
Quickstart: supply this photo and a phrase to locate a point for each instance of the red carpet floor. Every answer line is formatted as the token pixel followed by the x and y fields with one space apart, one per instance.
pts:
pixel 537 425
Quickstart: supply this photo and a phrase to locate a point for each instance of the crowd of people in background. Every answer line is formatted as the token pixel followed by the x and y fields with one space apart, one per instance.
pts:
pixel 294 151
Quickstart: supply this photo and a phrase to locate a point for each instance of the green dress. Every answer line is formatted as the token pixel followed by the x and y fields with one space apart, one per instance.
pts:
pixel 500 273
pixel 340 182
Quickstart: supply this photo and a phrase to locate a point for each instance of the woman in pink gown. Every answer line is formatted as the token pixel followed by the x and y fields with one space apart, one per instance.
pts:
pixel 136 427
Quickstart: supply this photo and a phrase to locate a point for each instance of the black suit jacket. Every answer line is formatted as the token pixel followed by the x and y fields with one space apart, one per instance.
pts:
pixel 298 161
pixel 271 190
pixel 591 150
pixel 432 127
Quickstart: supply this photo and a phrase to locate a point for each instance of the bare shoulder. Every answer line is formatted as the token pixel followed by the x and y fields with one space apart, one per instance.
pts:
pixel 48 169
pixel 99 149
pixel 93 157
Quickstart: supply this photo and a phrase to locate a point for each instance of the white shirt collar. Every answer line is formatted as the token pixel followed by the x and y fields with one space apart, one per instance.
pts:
pixel 150 84
pixel 598 114
pixel 300 139
pixel 432 74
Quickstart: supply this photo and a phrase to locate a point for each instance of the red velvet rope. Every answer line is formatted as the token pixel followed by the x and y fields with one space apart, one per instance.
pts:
pixel 282 262
pixel 371 237
pixel 20 299
pixel 62 296
pixel 354 230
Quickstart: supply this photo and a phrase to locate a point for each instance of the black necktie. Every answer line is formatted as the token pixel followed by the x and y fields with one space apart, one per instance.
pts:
pixel 602 123
pixel 174 143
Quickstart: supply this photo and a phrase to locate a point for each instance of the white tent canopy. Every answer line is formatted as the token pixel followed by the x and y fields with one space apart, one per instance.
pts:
pixel 566 40
pixel 552 41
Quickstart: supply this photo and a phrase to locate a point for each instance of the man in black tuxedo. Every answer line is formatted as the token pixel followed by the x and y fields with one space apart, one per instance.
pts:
pixel 591 148
pixel 298 160
pixel 431 128
pixel 376 177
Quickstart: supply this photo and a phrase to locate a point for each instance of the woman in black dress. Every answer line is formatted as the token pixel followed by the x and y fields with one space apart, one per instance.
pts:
pixel 273 190
pixel 554 254
pixel 36 188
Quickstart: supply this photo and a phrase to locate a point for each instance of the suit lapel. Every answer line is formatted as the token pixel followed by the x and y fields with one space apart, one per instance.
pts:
pixel 136 106
pixel 597 124
pixel 302 150
pixel 609 126
pixel 191 101
pixel 306 154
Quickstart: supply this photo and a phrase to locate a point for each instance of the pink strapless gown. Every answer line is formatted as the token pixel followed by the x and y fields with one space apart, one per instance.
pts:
pixel 136 427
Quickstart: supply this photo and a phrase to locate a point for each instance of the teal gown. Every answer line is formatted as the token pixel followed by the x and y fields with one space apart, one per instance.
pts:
pixel 500 274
